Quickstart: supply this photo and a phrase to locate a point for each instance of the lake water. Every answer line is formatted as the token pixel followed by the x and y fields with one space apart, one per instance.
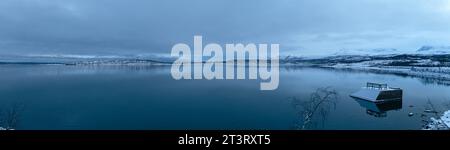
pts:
pixel 127 97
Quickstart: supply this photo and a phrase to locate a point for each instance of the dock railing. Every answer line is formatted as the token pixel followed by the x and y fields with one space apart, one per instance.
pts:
pixel 376 85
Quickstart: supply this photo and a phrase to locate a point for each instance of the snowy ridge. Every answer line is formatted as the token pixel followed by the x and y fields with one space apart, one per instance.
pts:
pixel 69 59
pixel 429 50
pixel 367 52
pixel 424 50
pixel 72 56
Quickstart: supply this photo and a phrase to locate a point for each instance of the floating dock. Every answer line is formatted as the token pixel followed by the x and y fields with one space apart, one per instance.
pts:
pixel 377 92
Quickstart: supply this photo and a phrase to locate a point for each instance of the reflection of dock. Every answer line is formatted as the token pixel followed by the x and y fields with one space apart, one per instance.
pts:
pixel 379 109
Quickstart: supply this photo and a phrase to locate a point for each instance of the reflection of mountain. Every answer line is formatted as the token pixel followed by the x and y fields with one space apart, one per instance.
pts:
pixel 379 109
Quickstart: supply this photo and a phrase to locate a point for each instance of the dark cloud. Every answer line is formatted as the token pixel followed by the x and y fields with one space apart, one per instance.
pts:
pixel 153 26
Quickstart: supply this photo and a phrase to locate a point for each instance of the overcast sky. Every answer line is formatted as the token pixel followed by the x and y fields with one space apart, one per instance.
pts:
pixel 132 27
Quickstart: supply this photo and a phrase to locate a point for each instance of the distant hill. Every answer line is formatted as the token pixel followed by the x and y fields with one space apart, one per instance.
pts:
pixel 367 52
pixel 424 50
pixel 434 50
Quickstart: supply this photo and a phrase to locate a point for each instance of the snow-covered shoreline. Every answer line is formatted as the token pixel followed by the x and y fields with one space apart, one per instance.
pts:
pixel 442 123
pixel 434 67
pixel 441 74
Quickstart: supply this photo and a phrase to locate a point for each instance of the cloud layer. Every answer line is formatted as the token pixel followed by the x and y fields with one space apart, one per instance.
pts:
pixel 132 27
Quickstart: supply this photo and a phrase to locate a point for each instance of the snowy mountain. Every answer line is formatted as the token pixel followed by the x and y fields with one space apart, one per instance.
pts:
pixel 367 52
pixel 434 50
pixel 84 59
pixel 424 50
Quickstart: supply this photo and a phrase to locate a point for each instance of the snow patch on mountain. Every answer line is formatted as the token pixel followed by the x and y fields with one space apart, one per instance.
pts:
pixel 73 56
pixel 424 50
pixel 433 50
pixel 367 52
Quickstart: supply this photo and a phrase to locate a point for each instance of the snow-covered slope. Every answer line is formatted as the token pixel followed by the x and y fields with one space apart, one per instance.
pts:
pixel 433 50
pixel 424 50
pixel 367 52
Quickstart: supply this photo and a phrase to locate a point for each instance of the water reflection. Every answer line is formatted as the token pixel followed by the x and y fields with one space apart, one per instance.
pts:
pixel 380 109
pixel 144 97
pixel 10 116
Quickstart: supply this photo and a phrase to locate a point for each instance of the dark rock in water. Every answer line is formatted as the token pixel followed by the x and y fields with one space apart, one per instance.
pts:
pixel 411 106
pixel 411 114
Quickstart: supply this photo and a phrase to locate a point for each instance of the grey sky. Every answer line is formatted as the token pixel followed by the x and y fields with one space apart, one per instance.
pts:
pixel 130 27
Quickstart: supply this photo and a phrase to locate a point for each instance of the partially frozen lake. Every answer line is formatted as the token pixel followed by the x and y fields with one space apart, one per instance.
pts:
pixel 146 97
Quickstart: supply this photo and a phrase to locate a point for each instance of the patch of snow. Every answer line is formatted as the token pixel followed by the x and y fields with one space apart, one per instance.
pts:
pixel 380 66
pixel 442 123
pixel 74 56
pixel 424 50
pixel 367 52
pixel 434 50
pixel 1 128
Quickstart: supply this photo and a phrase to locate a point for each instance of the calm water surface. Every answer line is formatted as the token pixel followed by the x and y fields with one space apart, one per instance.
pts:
pixel 121 97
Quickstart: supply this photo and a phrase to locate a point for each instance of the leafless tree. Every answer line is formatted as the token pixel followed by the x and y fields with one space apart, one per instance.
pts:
pixel 9 118
pixel 320 102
